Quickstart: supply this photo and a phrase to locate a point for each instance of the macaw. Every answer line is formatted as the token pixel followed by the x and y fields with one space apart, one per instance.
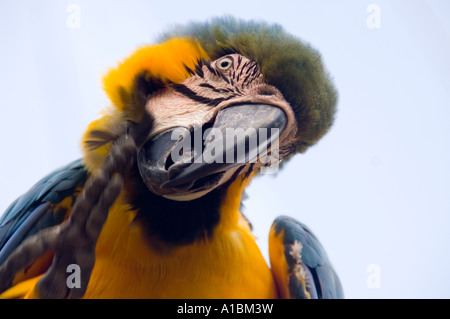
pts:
pixel 152 210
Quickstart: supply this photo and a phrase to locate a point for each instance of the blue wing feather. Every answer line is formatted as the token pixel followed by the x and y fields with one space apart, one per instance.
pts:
pixel 35 210
pixel 320 277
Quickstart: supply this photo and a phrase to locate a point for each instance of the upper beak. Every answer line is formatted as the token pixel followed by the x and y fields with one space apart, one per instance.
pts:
pixel 178 160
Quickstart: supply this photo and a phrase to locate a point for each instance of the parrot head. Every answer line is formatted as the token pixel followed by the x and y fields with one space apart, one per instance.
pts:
pixel 212 126
pixel 225 98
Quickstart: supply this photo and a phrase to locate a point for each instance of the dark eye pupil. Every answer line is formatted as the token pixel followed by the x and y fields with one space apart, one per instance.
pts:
pixel 224 64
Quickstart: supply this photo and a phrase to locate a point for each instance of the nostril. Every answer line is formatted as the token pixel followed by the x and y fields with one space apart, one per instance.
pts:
pixel 265 90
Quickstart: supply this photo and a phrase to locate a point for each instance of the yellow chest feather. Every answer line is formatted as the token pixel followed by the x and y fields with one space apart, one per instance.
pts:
pixel 228 265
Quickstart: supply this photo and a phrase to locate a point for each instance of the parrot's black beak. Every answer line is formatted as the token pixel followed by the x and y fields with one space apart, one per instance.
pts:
pixel 181 162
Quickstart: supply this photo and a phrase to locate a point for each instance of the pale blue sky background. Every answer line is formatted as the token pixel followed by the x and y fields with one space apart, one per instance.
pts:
pixel 375 190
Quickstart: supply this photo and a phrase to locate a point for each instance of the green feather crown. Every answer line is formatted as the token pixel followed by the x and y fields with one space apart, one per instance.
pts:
pixel 286 62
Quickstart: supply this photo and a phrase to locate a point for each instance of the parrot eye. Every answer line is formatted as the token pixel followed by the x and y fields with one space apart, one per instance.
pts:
pixel 224 63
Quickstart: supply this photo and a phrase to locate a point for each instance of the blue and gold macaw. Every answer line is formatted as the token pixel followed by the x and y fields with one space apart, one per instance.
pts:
pixel 149 212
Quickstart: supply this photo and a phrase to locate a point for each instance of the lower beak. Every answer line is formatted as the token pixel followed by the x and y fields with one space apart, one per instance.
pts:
pixel 179 160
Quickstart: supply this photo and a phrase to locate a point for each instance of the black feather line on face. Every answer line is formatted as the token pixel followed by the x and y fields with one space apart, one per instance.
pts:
pixel 250 68
pixel 199 71
pixel 239 62
pixel 210 68
pixel 183 89
pixel 189 70
pixel 245 80
pixel 209 86
pixel 245 65
pixel 255 71
pixel 224 77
